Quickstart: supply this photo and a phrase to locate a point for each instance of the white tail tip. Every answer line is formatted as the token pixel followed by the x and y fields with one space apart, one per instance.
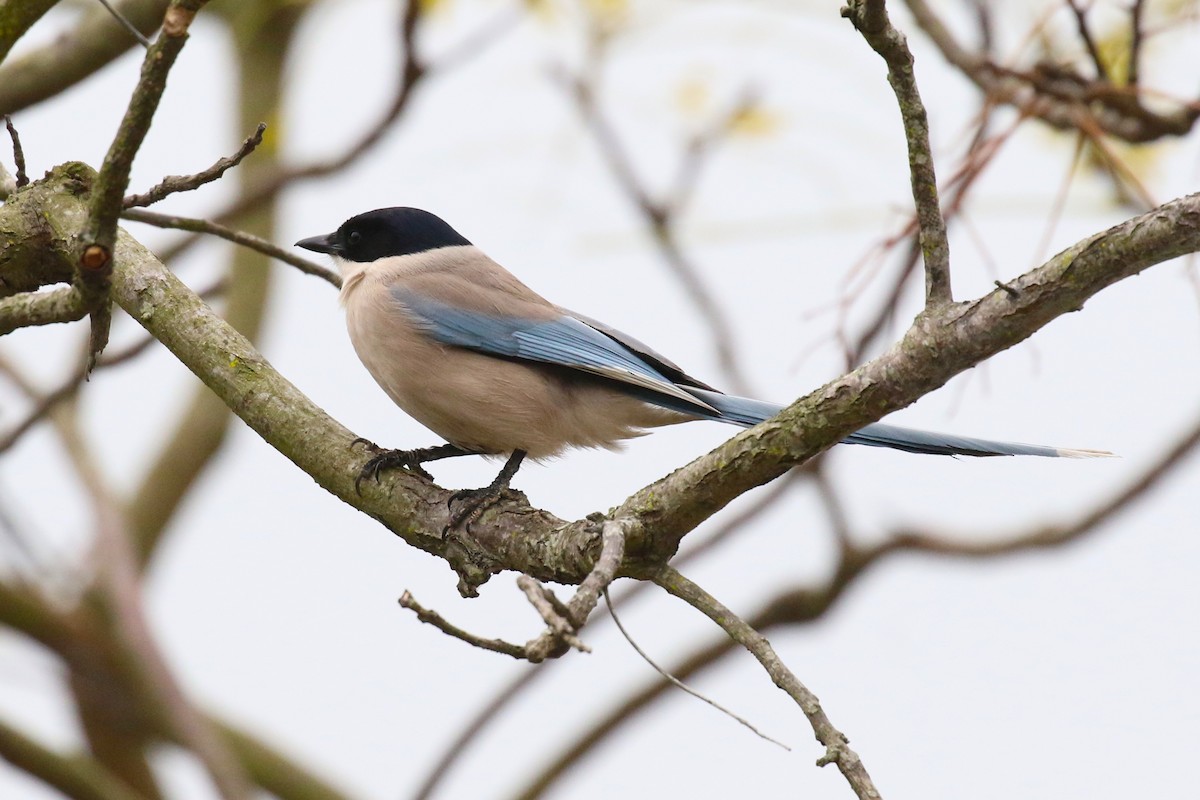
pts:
pixel 1065 452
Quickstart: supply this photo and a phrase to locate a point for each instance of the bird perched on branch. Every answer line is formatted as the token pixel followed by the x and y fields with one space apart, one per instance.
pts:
pixel 495 369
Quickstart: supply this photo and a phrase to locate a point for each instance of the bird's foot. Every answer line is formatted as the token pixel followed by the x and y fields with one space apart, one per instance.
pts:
pixel 410 460
pixel 476 501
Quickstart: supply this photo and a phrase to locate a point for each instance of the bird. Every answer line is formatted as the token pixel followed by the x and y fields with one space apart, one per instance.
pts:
pixel 495 369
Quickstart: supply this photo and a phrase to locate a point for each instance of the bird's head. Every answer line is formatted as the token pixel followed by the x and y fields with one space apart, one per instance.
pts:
pixel 385 232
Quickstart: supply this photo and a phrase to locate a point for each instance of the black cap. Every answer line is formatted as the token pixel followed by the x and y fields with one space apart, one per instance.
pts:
pixel 384 232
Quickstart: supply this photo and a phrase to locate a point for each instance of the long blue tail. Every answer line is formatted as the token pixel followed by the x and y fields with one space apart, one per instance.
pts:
pixel 746 412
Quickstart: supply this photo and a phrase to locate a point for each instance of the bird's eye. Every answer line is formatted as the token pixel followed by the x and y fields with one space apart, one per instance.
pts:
pixel 354 237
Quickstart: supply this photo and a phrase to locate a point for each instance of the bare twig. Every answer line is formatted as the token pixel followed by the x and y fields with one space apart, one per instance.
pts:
pixel 1080 14
pixel 412 72
pixel 431 617
pixel 18 152
pixel 237 237
pixel 95 259
pixel 573 617
pixel 186 183
pixel 126 24
pixel 870 18
pixel 95 41
pixel 660 217
pixel 479 723
pixel 612 550
pixel 118 589
pixel 28 309
pixel 1063 101
pixel 1135 42
pixel 76 777
pixel 804 604
pixel 837 748
pixel 680 684
pixel 562 620
pixel 106 201
pixel 46 403
pixel 559 630
pixel 981 152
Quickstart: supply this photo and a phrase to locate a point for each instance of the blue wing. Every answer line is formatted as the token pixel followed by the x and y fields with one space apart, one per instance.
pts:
pixel 562 341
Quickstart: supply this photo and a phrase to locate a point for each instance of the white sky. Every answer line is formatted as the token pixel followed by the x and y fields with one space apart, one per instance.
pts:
pixel 1070 673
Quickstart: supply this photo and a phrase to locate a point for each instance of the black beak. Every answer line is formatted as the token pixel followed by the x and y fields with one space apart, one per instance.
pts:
pixel 326 243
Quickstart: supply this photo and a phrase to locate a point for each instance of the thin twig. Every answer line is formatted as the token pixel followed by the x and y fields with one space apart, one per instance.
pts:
pixel 186 183
pixel 46 403
pixel 479 723
pixel 981 152
pixel 612 550
pixel 558 628
pixel 871 20
pixel 118 590
pixel 126 24
pixel 562 620
pixel 1064 104
pixel 237 237
pixel 74 775
pixel 30 309
pixel 837 748
pixel 18 152
pixel 95 260
pixel 1080 14
pixel 113 177
pixel 431 617
pixel 1135 42
pixel 680 684
pixel 660 218
pixel 412 72
pixel 803 605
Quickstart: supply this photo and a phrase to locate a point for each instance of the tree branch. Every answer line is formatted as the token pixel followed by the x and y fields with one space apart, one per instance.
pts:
pixel 455 749
pixel 563 621
pixel 513 536
pixel 18 17
pixel 113 179
pixel 1070 105
pixel 21 179
pixel 237 237
pixel 96 41
pixel 262 42
pixel 837 749
pixel 871 20
pixel 186 183
pixel 66 304
pixel 95 258
pixel 660 218
pixel 802 605
pixel 75 777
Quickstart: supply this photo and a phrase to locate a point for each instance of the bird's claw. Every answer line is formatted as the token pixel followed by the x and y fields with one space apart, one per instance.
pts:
pixel 475 502
pixel 388 459
pixel 367 445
